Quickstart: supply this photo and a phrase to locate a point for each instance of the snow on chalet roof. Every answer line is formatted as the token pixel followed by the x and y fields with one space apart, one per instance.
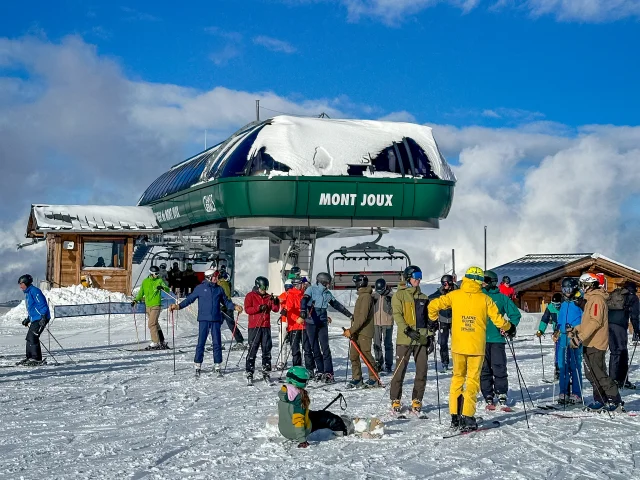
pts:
pixel 322 146
pixel 91 218
pixel 534 265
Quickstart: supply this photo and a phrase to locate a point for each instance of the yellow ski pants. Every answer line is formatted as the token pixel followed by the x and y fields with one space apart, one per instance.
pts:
pixel 466 368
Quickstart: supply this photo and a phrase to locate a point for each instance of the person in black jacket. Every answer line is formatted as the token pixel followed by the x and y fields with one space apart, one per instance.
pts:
pixel 618 327
pixel 444 320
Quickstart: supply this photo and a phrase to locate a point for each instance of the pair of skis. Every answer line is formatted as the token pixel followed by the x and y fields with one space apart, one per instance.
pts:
pixel 482 427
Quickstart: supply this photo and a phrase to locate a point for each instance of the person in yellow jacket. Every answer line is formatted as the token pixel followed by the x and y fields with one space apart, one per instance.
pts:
pixel 470 310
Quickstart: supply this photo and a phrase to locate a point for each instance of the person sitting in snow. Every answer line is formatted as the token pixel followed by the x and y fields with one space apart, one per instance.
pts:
pixel 295 420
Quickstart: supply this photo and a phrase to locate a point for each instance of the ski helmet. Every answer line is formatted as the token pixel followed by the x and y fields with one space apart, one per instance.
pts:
pixel 163 266
pixel 298 376
pixel 491 279
pixel 447 280
pixel 381 285
pixel 631 286
pixel 222 268
pixel 476 274
pixel 323 278
pixel 175 265
pixel 589 280
pixel 296 281
pixel 360 280
pixel 506 280
pixel 210 273
pixel 288 285
pixel 26 279
pixel 410 272
pixel 569 287
pixel 556 300
pixel 295 271
pixel 262 283
pixel 189 266
pixel 154 270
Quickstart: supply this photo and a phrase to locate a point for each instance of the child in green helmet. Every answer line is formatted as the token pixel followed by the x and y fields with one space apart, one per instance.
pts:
pixel 295 420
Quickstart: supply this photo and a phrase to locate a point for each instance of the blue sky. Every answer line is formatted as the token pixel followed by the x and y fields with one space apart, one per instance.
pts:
pixel 486 66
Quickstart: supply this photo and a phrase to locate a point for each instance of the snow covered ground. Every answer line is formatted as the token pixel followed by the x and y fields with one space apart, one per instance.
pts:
pixel 112 413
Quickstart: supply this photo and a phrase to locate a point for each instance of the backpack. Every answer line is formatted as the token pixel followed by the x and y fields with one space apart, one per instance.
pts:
pixel 616 300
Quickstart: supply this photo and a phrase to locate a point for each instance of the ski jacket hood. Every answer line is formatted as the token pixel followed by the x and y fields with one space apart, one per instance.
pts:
pixel 36 303
pixel 211 298
pixel 505 307
pixel 594 328
pixel 409 307
pixel 150 293
pixel 472 309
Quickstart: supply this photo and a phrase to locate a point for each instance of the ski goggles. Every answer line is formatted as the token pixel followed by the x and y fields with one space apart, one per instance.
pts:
pixel 416 275
pixel 567 290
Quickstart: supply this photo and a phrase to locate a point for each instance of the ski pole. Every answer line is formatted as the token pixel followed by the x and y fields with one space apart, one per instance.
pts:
pixel 575 362
pixel 224 370
pixel 518 371
pixel 284 364
pixel 48 351
pixel 542 358
pixel 346 369
pixel 364 359
pixel 524 405
pixel 61 347
pixel 133 309
pixel 173 337
pixel 626 379
pixel 279 336
pixel 342 401
pixel 404 358
pixel 435 364
pixel 253 347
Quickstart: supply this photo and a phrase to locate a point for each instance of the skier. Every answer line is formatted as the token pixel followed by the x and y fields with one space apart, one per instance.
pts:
pixel 189 280
pixel 593 334
pixel 283 325
pixel 37 319
pixel 494 379
pixel 444 320
pixel 313 309
pixel 550 315
pixel 164 275
pixel 623 306
pixel 415 337
pixel 361 332
pixel 175 277
pixel 295 420
pixel 210 298
pixel 223 280
pixel 506 288
pixel 299 343
pixel 151 291
pixel 259 304
pixel 569 358
pixel 471 309
pixel 383 326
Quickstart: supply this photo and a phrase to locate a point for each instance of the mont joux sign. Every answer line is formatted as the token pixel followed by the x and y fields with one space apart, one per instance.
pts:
pixel 354 199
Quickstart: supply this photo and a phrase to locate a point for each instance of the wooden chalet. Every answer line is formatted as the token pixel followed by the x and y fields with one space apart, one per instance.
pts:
pixel 90 244
pixel 537 277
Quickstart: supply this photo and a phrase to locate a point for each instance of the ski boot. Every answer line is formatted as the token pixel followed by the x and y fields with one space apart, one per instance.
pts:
pixel 318 377
pixel 266 376
pixel 217 369
pixel 468 424
pixel 388 370
pixel 355 383
pixel 574 399
pixel 249 378
pixel 328 378
pixel 490 405
pixel 371 383
pixel 164 346
pixel 563 399
pixel 595 407
pixel 153 346
pixel 628 385
pixel 455 422
pixel 444 368
pixel 23 362
pixel 198 369
pixel 281 366
pixel 34 363
pixel 396 406
pixel 416 406
pixel 238 346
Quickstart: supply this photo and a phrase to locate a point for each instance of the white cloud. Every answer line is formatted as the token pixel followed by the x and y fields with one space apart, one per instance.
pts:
pixel 274 44
pixel 401 116
pixel 592 11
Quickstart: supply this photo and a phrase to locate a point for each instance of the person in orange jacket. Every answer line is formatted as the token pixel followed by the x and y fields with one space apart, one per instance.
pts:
pixel 297 337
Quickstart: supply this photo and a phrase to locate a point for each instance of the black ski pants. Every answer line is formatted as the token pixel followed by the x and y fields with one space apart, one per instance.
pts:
pixel 299 347
pixel 34 351
pixel 318 334
pixel 259 338
pixel 237 334
pixel 323 419
pixel 604 388
pixel 619 357
pixel 443 342
pixel 383 333
pixel 494 379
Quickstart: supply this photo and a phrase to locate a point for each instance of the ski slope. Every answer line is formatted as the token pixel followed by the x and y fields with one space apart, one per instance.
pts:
pixel 112 413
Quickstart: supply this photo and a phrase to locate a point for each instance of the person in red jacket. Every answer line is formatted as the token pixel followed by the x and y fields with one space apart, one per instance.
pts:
pixel 506 288
pixel 295 326
pixel 259 304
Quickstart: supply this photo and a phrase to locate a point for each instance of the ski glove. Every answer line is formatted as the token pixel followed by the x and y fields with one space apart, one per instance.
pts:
pixel 26 322
pixel 431 346
pixel 42 324
pixel 275 300
pixel 511 332
pixel 303 314
pixel 159 287
pixel 263 308
pixel 283 312
pixel 539 333
pixel 433 325
pixel 412 334
pixel 133 304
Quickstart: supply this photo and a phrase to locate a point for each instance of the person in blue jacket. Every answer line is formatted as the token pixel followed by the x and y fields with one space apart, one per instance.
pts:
pixel 569 357
pixel 210 298
pixel 37 320
pixel 313 309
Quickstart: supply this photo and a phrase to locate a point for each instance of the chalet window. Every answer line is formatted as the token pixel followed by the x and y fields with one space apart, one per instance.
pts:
pixel 103 254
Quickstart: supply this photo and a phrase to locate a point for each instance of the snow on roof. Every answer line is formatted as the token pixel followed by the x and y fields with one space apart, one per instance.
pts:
pixel 91 218
pixel 321 146
pixel 596 256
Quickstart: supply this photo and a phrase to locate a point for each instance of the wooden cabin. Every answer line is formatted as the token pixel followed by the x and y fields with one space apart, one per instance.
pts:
pixel 92 245
pixel 537 277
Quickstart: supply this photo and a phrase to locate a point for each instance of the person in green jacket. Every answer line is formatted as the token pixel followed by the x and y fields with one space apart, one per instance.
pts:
pixel 361 332
pixel 415 336
pixel 494 378
pixel 151 293
pixel 295 420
